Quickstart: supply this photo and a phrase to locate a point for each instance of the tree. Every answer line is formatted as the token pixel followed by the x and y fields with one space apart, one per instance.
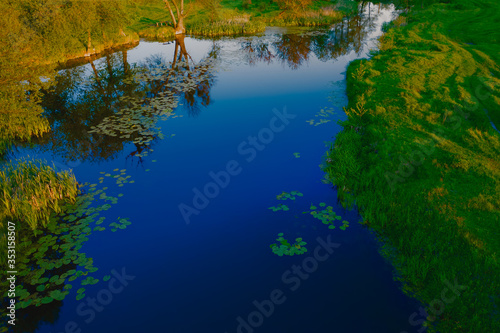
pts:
pixel 181 15
pixel 20 79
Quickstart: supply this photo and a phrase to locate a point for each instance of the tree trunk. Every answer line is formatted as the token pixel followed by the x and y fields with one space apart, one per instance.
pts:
pixel 183 53
pixel 180 29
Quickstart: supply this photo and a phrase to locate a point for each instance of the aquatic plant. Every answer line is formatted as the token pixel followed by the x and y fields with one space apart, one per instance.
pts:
pixel 289 195
pixel 279 207
pixel 49 261
pixel 324 114
pixel 138 117
pixel 285 196
pixel 287 249
pixel 327 216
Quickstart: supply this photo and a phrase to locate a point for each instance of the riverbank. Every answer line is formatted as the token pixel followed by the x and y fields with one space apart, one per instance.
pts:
pixel 234 17
pixel 420 158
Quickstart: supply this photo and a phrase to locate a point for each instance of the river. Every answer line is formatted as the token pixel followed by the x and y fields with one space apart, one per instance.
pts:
pixel 251 118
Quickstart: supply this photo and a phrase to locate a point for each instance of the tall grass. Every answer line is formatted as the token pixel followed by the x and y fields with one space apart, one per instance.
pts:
pixel 420 159
pixel 160 33
pixel 226 28
pixel 31 191
pixel 321 17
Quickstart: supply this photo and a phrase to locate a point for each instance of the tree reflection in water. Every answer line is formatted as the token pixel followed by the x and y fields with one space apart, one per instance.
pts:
pixel 295 49
pixel 95 112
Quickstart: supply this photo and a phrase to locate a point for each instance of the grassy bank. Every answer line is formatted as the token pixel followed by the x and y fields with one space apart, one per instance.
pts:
pixel 151 19
pixel 420 158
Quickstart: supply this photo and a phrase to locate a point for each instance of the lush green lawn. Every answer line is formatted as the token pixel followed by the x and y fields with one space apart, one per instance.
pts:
pixel 421 160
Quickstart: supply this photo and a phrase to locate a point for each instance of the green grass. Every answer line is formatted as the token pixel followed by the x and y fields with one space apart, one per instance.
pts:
pixel 226 28
pixel 31 191
pixel 420 159
pixel 233 18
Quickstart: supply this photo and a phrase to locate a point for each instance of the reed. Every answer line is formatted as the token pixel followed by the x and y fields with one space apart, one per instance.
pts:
pixel 32 191
pixel 226 28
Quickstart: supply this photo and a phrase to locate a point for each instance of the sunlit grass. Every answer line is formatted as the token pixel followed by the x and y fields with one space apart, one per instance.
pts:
pixel 30 192
pixel 235 17
pixel 421 160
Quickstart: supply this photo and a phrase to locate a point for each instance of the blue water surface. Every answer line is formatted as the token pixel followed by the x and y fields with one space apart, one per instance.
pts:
pixel 206 271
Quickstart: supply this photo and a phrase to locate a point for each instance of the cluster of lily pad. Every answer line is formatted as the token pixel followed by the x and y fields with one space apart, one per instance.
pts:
pixel 49 260
pixel 121 179
pixel 327 216
pixel 279 207
pixel 287 249
pixel 138 116
pixel 289 195
pixel 323 116
pixel 285 196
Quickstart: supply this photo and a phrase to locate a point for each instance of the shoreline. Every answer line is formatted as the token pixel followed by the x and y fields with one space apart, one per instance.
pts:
pixel 410 120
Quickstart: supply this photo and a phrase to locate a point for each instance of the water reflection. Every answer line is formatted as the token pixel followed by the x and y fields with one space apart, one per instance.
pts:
pixel 89 106
pixel 294 49
pixel 96 110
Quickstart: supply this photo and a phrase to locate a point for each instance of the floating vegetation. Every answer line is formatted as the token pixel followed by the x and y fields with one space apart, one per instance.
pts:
pixel 162 85
pixel 322 117
pixel 324 213
pixel 327 216
pixel 287 249
pixel 279 207
pixel 292 195
pixel 297 155
pixel 49 259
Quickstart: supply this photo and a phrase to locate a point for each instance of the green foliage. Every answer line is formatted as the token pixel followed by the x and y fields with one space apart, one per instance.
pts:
pixel 419 157
pixel 225 28
pixel 36 32
pixel 49 257
pixel 315 20
pixel 72 27
pixel 32 191
pixel 213 8
pixel 20 79
pixel 294 7
pixel 287 249
pixel 327 216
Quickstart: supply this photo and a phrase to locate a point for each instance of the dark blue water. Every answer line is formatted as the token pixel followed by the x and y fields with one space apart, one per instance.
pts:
pixel 212 270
